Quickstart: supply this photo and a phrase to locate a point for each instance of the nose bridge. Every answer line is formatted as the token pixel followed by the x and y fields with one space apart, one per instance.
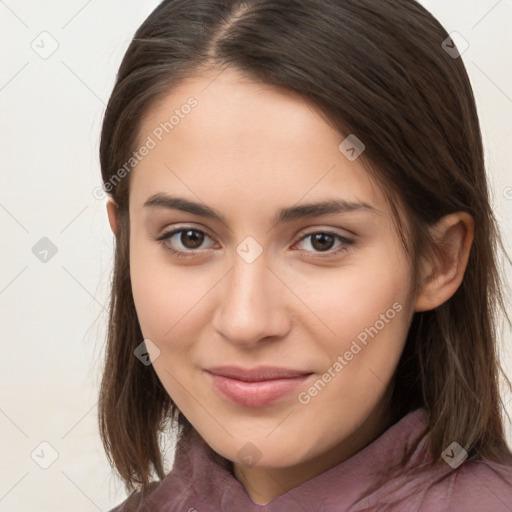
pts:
pixel 251 306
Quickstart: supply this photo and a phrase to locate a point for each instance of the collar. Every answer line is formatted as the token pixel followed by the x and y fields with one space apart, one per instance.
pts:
pixel 202 481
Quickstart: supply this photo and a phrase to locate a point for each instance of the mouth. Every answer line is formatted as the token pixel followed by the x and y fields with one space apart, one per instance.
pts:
pixel 256 387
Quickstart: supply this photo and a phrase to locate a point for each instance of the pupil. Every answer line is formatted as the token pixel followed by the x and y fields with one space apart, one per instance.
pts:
pixel 325 241
pixel 193 236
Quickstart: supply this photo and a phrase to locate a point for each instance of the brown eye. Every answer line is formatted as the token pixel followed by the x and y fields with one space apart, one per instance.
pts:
pixel 326 242
pixel 322 241
pixel 191 238
pixel 185 241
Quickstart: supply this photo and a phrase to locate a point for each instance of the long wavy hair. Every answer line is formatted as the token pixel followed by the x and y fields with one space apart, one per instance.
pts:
pixel 374 68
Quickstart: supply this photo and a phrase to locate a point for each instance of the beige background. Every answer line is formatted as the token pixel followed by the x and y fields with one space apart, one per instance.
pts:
pixel 53 314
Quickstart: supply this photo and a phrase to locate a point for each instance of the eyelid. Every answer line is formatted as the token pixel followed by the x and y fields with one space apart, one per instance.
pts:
pixel 310 230
pixel 302 234
pixel 345 242
pixel 178 228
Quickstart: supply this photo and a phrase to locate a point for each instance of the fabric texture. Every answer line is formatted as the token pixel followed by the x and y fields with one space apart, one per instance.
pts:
pixel 202 481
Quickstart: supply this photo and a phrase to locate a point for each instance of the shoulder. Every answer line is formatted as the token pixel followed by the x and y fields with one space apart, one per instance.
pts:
pixel 134 502
pixel 481 485
pixel 475 486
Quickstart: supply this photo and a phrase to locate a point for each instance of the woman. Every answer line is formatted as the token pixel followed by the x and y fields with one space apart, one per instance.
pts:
pixel 305 278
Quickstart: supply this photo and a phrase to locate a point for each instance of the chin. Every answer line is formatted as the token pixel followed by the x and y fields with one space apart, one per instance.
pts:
pixel 263 453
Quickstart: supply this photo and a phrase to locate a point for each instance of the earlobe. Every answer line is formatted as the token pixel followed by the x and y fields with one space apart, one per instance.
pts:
pixel 113 217
pixel 453 235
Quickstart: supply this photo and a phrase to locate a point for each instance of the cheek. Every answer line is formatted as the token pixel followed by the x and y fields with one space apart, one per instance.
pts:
pixel 156 291
pixel 365 313
pixel 354 297
pixel 170 301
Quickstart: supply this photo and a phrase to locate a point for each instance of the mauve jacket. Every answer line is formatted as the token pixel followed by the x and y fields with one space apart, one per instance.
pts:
pixel 202 481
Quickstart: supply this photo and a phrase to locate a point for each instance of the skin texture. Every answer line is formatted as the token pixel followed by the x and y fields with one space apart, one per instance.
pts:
pixel 248 150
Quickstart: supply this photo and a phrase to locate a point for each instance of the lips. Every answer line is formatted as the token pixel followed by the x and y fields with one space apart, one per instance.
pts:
pixel 256 387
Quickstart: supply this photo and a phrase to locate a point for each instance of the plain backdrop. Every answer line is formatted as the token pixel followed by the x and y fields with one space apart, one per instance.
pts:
pixel 58 64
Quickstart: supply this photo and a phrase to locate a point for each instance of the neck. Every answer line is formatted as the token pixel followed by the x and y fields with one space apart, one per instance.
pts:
pixel 263 484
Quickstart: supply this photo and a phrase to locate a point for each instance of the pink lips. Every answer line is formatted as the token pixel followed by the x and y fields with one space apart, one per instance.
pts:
pixel 256 387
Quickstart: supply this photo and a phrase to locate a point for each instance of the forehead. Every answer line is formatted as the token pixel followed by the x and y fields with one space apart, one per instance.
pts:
pixel 225 137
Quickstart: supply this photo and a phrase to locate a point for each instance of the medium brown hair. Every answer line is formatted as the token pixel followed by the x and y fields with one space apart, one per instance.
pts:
pixel 373 68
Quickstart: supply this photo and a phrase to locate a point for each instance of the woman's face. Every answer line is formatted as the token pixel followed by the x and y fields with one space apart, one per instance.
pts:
pixel 263 278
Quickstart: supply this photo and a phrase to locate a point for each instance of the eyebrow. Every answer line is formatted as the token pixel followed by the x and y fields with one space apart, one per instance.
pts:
pixel 165 201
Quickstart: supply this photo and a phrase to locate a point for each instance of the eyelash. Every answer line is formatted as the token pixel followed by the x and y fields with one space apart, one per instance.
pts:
pixel 345 242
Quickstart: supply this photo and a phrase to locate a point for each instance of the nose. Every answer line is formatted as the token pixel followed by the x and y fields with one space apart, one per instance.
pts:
pixel 252 304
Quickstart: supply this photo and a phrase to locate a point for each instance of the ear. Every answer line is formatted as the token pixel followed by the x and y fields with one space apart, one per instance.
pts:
pixel 440 278
pixel 112 213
